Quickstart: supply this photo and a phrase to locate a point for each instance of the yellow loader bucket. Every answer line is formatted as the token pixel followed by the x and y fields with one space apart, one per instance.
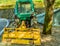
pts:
pixel 17 36
pixel 22 35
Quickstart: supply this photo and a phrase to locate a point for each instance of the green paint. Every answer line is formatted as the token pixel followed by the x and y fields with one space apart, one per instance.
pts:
pixel 26 8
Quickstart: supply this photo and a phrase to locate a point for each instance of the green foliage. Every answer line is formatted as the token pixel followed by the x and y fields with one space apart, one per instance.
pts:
pixel 11 1
pixel 38 0
pixel 6 1
pixel 57 4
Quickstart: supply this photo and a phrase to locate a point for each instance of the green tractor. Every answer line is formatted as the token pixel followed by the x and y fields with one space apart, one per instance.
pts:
pixel 24 34
pixel 24 10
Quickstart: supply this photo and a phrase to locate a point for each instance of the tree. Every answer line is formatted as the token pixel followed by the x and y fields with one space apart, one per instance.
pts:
pixel 48 16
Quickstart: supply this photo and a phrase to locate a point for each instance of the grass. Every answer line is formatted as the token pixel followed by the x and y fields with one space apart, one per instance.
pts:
pixel 11 3
pixel 4 4
pixel 7 1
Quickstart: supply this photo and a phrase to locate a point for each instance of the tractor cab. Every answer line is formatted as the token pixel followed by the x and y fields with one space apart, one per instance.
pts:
pixel 24 9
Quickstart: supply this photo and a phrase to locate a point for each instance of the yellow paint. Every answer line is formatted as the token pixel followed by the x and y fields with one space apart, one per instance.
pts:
pixel 22 35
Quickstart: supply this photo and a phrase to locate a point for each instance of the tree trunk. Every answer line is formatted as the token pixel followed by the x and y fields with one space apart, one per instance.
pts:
pixel 48 16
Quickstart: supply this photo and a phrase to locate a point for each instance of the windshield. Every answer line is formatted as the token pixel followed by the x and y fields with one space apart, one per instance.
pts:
pixel 24 8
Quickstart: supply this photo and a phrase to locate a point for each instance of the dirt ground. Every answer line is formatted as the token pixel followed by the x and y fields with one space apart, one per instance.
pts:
pixel 53 39
pixel 46 40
